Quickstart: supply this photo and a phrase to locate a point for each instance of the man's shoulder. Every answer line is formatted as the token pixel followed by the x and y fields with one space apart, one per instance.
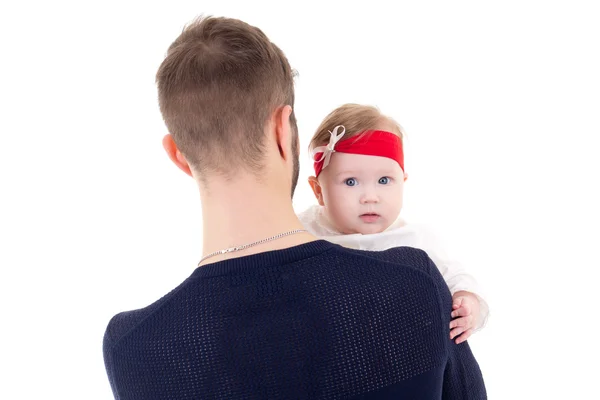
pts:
pixel 408 265
pixel 123 323
pixel 401 256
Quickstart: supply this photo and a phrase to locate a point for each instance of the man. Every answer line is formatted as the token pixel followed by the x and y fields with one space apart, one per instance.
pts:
pixel 271 312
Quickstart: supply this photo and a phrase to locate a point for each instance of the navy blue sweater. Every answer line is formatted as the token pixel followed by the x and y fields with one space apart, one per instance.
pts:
pixel 315 321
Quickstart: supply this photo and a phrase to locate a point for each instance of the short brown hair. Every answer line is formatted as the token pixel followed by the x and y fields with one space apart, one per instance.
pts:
pixel 356 119
pixel 217 87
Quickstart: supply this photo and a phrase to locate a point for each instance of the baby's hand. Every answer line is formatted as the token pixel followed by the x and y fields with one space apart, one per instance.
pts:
pixel 466 306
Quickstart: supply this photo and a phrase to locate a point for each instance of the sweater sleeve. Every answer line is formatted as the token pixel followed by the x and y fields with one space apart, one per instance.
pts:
pixel 462 376
pixel 108 360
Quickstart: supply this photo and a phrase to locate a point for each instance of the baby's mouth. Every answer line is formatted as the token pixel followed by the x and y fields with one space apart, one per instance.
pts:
pixel 369 217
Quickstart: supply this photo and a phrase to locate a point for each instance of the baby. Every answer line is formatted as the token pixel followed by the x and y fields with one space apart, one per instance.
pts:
pixel 359 184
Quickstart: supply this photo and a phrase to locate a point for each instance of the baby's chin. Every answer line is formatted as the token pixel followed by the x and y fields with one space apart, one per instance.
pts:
pixel 366 229
pixel 370 230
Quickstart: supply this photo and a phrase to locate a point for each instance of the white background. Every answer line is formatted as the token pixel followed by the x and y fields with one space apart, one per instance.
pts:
pixel 500 101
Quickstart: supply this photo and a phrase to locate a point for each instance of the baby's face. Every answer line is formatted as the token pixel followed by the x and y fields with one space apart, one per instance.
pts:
pixel 360 193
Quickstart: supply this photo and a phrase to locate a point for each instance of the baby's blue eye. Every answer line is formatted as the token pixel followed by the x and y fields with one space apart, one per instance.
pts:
pixel 350 182
pixel 384 181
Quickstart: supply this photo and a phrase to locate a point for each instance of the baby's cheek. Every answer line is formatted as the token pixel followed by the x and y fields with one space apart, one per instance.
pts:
pixel 396 209
pixel 340 217
pixel 339 207
pixel 333 199
pixel 397 200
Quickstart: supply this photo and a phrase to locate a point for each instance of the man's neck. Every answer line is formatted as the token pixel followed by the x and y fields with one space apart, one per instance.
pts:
pixel 235 215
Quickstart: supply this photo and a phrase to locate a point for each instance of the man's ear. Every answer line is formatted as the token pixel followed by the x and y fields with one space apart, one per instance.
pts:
pixel 317 190
pixel 175 155
pixel 405 176
pixel 283 132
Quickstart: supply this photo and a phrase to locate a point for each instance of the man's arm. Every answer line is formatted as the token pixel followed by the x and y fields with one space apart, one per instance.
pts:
pixel 462 376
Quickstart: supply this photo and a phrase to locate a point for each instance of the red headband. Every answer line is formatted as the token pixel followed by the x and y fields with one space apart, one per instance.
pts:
pixel 370 143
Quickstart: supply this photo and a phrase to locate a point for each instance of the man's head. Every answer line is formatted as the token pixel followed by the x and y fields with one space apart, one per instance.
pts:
pixel 225 92
pixel 360 193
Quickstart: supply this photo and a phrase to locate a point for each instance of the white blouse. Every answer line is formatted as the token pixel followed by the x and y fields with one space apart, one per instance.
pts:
pixel 400 233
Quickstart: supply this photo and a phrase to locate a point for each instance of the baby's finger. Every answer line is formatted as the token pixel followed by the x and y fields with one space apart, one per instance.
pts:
pixel 461 312
pixel 463 338
pixel 457 331
pixel 464 322
pixel 457 303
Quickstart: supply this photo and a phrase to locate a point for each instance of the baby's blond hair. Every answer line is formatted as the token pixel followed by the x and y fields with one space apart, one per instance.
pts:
pixel 356 119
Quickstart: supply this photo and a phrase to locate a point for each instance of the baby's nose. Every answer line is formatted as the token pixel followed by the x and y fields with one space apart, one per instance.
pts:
pixel 369 197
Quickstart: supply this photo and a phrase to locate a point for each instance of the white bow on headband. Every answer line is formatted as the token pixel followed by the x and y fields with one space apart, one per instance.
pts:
pixel 330 148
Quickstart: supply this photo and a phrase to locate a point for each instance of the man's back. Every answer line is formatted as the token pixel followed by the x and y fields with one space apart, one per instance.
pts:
pixel 314 321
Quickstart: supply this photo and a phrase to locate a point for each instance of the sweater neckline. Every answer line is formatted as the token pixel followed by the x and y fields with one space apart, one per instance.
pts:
pixel 265 259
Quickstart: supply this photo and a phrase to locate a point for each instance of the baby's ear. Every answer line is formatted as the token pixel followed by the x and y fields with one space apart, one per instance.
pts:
pixel 405 176
pixel 316 187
